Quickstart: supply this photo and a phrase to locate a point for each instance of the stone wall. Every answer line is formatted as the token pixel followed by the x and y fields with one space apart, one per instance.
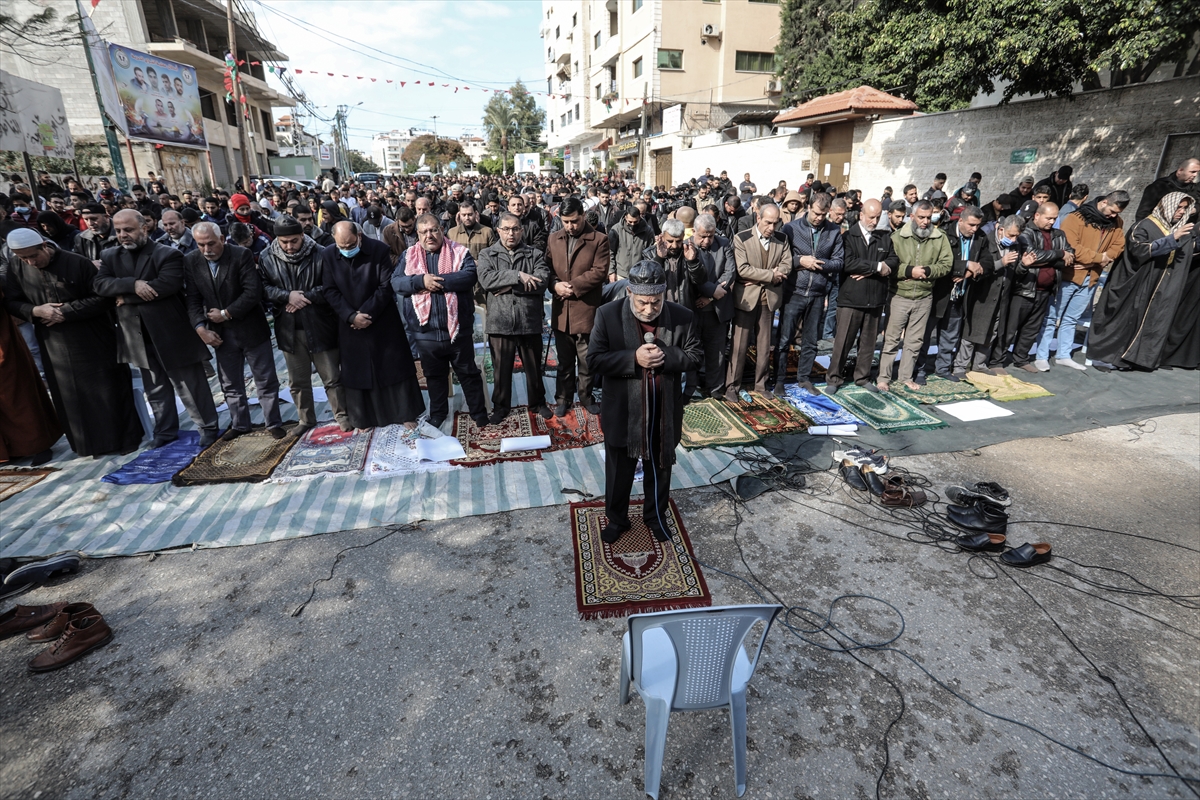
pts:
pixel 1113 138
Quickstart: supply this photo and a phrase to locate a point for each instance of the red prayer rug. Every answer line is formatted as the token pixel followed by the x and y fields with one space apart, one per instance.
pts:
pixel 482 445
pixel 577 429
pixel 637 574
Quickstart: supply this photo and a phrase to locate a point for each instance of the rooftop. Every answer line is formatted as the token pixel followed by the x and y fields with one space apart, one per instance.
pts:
pixel 848 104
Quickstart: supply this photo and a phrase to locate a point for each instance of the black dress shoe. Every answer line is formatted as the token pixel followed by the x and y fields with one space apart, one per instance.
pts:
pixel 1027 555
pixel 208 438
pixel 41 458
pixel 612 532
pixel 436 422
pixel 498 416
pixel 981 541
pixel 231 434
pixel 560 408
pixel 592 407
pixel 277 433
pixel 659 533
pixel 853 476
pixel 480 421
pixel 987 491
pixel 872 481
pixel 979 517
pixel 545 411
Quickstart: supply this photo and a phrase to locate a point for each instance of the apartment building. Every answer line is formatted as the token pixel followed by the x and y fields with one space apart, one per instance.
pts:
pixel 648 76
pixel 193 33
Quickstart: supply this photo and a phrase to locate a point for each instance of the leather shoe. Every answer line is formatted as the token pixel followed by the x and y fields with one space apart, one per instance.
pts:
pixel 208 438
pixel 979 517
pixel 23 618
pixel 277 433
pixel 1027 555
pixel 545 411
pixel 853 476
pixel 659 533
pixel 54 628
pixel 231 434
pixel 81 636
pixel 592 406
pixel 560 408
pixel 498 415
pixel 871 478
pixel 981 541
pixel 898 493
pixel 612 532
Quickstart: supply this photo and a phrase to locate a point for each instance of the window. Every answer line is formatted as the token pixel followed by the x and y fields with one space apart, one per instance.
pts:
pixel 563 120
pixel 574 20
pixel 577 116
pixel 670 59
pixel 549 53
pixel 570 119
pixel 576 66
pixel 557 33
pixel 598 92
pixel 596 39
pixel 636 5
pixel 549 85
pixel 745 61
pixel 552 126
pixel 612 23
pixel 637 68
pixel 208 108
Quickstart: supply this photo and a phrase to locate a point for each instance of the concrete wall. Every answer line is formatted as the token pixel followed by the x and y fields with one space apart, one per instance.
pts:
pixel 1113 138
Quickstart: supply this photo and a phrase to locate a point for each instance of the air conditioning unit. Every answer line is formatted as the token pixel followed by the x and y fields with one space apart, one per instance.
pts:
pixel 710 30
pixel 774 87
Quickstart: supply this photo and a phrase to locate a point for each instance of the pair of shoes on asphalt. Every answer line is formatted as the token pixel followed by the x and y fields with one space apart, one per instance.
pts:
pixel 1042 365
pixel 866 471
pixel 72 629
pixel 16 578
pixel 981 509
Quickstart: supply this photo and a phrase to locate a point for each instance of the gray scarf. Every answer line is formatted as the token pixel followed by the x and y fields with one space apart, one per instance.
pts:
pixel 305 251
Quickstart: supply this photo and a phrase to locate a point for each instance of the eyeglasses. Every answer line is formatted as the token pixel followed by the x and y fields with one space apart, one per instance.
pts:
pixel 508 230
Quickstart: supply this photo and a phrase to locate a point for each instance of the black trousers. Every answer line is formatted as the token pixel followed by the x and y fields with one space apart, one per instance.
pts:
pixel 504 351
pixel 714 338
pixel 853 323
pixel 161 387
pixel 1025 319
pixel 437 359
pixel 619 470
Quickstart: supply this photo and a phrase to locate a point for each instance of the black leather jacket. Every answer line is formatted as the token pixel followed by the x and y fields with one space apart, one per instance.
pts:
pixel 280 278
pixel 1025 279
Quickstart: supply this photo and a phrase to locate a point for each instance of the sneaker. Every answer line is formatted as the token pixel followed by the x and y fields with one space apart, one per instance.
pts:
pixel 1042 365
pixel 42 569
pixel 1070 362
pixel 992 493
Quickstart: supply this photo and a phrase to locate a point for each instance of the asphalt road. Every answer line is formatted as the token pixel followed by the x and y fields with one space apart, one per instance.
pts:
pixel 450 662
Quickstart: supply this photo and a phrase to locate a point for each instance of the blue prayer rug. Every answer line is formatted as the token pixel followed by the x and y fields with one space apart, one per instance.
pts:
pixel 159 464
pixel 819 408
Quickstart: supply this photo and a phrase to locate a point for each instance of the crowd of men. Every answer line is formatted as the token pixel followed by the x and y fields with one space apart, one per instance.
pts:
pixel 360 283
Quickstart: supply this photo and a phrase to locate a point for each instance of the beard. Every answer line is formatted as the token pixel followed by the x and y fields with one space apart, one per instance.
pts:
pixel 647 318
pixel 137 243
pixel 923 233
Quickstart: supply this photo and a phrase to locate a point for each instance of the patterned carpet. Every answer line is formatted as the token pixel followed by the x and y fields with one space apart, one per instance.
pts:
pixel 819 409
pixel 14 480
pixel 577 429
pixel 250 458
pixel 883 411
pixel 711 423
pixel 160 464
pixel 938 390
pixel 767 415
pixel 483 444
pixel 324 450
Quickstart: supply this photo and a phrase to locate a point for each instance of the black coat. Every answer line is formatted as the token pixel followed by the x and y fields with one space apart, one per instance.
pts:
pixel 611 353
pixel 1162 187
pixel 979 251
pixel 511 309
pixel 90 245
pixel 160 325
pixel 282 277
pixel 987 296
pixel 536 232
pixel 714 268
pixel 378 355
pixel 236 288
pixel 1025 278
pixel 862 257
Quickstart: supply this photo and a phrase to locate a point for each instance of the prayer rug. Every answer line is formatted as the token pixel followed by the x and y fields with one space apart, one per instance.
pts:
pixel 14 480
pixel 250 458
pixel 883 411
pixel 1006 388
pixel 819 409
pixel 637 574
pixel 938 390
pixel 158 464
pixel 483 444
pixel 767 415
pixel 711 423
pixel 393 452
pixel 324 450
pixel 577 429
pixel 424 386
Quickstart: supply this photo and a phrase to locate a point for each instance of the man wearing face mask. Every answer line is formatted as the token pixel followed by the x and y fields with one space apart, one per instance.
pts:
pixel 99 235
pixel 224 298
pixel 924 254
pixel 379 375
pixel 24 215
pixel 147 279
pixel 985 305
pixel 92 391
pixel 643 347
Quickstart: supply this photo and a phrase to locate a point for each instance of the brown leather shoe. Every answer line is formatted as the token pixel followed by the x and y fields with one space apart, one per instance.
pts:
pixel 22 618
pixel 54 628
pixel 81 636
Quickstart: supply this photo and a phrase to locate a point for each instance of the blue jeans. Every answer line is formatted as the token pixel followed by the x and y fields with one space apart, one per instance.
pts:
pixel 803 316
pixel 1068 306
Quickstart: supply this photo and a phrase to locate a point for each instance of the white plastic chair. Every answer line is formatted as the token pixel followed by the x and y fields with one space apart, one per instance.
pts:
pixel 692 660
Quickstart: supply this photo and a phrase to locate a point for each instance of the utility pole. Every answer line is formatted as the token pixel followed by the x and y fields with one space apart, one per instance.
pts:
pixel 110 132
pixel 235 75
pixel 642 137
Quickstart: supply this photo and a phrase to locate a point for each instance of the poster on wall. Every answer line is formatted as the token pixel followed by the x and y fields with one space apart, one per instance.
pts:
pixel 33 119
pixel 160 98
pixel 527 162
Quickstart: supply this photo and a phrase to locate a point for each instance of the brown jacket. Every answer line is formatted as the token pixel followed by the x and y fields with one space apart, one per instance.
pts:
pixel 586 271
pixel 1090 244
pixel 476 241
pixel 786 216
pixel 756 268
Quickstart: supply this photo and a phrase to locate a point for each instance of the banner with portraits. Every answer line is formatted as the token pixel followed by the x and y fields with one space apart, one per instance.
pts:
pixel 159 97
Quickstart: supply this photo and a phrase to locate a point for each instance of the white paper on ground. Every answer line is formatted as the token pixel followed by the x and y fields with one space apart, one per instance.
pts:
pixel 319 394
pixel 513 444
pixel 441 449
pixel 833 430
pixel 974 410
pixel 823 361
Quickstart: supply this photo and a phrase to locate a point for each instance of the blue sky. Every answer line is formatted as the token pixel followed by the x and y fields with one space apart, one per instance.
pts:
pixel 482 43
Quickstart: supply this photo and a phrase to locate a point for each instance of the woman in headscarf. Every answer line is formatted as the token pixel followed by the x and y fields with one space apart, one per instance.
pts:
pixel 331 214
pixel 1138 304
pixel 57 231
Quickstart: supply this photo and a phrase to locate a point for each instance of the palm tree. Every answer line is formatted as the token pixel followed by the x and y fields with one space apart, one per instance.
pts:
pixel 501 122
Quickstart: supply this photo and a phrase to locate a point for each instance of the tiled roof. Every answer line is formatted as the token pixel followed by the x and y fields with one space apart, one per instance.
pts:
pixel 857 102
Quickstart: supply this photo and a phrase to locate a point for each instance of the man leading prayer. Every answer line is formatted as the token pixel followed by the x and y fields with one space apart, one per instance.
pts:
pixel 643 346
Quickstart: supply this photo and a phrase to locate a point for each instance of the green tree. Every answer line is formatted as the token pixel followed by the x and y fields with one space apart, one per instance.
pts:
pixel 362 163
pixel 513 122
pixel 438 151
pixel 943 53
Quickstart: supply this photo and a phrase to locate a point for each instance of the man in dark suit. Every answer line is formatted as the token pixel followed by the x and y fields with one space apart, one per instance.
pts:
pixel 712 276
pixel 224 298
pixel 643 347
pixel 763 260
pixel 578 257
pixel 869 263
pixel 148 279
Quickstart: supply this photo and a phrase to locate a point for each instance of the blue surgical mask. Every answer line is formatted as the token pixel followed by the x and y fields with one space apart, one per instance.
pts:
pixel 350 253
pixel 22 209
pixel 937 215
pixel 1004 240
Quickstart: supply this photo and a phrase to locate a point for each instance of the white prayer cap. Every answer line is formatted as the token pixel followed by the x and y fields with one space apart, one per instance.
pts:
pixel 21 238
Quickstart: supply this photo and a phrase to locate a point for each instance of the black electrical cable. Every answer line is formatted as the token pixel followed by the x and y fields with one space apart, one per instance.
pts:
pixel 407 528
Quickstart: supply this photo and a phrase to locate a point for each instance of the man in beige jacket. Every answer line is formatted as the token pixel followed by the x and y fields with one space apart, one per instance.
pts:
pixel 763 260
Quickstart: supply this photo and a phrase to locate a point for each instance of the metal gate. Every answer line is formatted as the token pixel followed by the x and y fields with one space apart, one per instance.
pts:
pixel 662 167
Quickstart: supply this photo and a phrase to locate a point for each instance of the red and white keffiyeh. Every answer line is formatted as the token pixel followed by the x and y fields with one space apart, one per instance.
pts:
pixel 450 259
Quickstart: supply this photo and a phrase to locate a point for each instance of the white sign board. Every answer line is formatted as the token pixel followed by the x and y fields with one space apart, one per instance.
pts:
pixel 527 162
pixel 33 119
pixel 672 119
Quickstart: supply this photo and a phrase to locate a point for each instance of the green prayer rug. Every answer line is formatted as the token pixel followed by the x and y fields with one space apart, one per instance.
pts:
pixel 884 411
pixel 711 423
pixel 938 390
